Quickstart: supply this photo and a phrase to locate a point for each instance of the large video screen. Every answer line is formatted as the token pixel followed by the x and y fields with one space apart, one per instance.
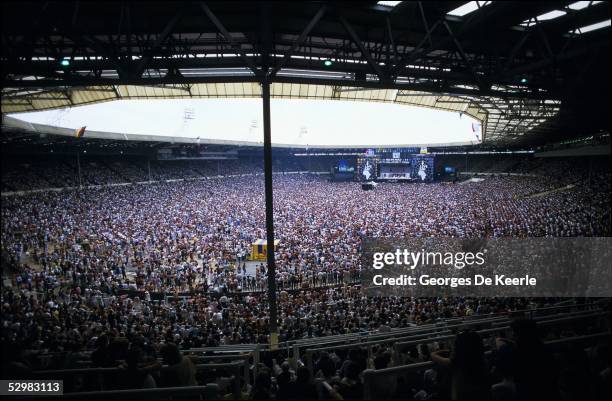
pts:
pixel 367 169
pixel 344 166
pixel 423 168
pixel 344 170
pixel 415 167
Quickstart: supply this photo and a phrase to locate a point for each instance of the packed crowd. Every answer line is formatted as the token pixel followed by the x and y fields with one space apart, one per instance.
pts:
pixel 63 171
pixel 92 266
pixel 75 321
pixel 196 236
pixel 467 365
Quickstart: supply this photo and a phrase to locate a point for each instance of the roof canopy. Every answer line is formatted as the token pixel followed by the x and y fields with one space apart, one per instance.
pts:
pixel 511 64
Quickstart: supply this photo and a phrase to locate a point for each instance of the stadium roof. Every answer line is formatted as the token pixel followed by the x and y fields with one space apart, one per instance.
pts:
pixel 525 69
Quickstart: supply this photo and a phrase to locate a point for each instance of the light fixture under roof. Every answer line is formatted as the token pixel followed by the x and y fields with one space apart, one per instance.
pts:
pixel 468 8
pixel 543 17
pixel 551 15
pixel 592 27
pixel 388 3
pixel 579 5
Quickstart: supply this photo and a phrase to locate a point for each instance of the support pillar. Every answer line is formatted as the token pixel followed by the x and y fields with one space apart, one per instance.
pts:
pixel 269 213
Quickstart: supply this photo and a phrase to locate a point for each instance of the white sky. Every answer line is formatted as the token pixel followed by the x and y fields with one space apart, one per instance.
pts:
pixel 294 121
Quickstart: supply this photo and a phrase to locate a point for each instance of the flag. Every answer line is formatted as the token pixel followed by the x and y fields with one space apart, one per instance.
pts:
pixel 80 132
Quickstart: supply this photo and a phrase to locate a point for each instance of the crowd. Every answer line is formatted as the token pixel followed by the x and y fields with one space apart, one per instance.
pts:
pixel 89 265
pixel 466 367
pixel 63 171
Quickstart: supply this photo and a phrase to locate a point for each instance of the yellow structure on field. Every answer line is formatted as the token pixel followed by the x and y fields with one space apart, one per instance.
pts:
pixel 260 247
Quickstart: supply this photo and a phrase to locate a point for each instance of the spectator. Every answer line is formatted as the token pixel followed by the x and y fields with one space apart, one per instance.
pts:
pixel 180 371
pixel 136 375
pixel 469 379
pixel 262 390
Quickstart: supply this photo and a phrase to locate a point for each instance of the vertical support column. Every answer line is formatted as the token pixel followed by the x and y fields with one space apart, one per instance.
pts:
pixel 79 169
pixel 295 357
pixel 247 376
pixel 255 361
pixel 265 84
pixel 149 168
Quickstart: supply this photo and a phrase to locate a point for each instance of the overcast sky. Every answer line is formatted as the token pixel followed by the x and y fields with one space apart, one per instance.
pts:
pixel 294 121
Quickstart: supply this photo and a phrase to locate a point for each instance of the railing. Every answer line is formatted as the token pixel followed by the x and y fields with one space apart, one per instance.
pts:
pixel 416 338
pixel 258 288
pixel 371 375
pixel 211 391
pixel 501 329
pixel 368 345
pixel 102 374
pixel 423 333
pixel 294 348
pixel 461 321
pixel 454 323
pixel 245 356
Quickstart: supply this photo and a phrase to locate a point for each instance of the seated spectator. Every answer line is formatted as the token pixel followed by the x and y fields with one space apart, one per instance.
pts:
pixel 350 387
pixel 384 386
pixel 325 366
pixel 262 390
pixel 180 371
pixel 136 375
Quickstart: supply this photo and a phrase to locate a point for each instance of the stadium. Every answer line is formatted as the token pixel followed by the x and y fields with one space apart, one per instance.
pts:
pixel 306 200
